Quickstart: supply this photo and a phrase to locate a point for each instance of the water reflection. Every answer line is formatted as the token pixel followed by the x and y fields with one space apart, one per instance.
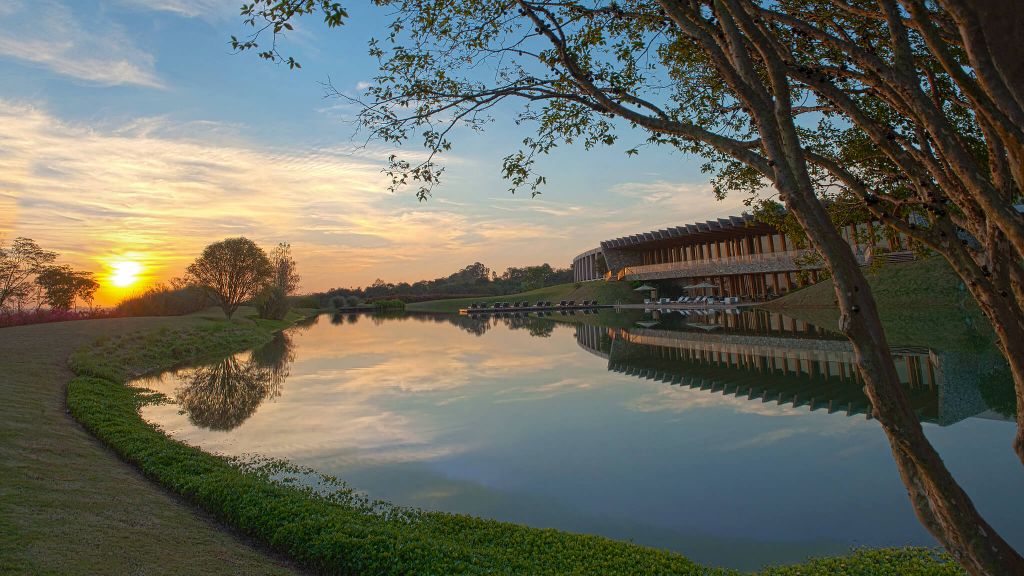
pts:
pixel 719 436
pixel 224 394
pixel 763 356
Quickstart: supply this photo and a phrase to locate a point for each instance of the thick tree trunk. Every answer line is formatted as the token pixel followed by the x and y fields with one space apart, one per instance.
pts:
pixel 941 505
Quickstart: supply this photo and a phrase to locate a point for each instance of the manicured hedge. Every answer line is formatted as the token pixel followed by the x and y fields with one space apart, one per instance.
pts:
pixel 344 534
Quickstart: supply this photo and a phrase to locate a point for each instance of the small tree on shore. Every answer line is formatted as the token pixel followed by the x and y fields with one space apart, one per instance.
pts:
pixel 20 262
pixel 232 271
pixel 62 286
pixel 286 276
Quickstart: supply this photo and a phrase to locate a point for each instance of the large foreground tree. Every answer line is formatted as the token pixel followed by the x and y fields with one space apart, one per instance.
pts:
pixel 776 96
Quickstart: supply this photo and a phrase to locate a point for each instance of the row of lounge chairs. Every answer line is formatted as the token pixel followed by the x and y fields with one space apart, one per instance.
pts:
pixel 538 304
pixel 695 300
pixel 710 312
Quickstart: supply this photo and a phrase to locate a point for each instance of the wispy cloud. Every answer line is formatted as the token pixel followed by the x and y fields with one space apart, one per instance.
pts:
pixel 158 192
pixel 189 8
pixel 52 35
pixel 155 190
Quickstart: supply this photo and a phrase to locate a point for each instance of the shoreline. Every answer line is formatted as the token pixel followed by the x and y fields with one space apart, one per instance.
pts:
pixel 440 542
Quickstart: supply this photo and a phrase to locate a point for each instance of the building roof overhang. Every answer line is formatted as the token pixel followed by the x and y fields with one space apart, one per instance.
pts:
pixel 710 231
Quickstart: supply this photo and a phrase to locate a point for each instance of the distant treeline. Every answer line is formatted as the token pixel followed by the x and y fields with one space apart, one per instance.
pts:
pixel 473 280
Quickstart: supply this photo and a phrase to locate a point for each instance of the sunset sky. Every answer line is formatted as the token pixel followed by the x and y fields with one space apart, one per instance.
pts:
pixel 129 133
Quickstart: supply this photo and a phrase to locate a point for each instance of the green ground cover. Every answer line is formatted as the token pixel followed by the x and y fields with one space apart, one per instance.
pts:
pixel 921 283
pixel 922 303
pixel 343 534
pixel 68 505
pixel 603 292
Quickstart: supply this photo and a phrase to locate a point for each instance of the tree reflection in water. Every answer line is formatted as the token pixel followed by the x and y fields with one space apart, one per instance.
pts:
pixel 223 395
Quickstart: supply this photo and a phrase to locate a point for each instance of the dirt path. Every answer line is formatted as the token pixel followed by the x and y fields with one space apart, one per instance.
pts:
pixel 68 505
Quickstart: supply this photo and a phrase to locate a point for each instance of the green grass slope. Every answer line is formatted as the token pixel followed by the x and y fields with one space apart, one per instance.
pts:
pixel 922 303
pixel 922 283
pixel 603 292
pixel 68 505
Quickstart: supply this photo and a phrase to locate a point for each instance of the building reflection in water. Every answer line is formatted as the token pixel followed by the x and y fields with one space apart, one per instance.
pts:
pixel 765 357
pixel 224 394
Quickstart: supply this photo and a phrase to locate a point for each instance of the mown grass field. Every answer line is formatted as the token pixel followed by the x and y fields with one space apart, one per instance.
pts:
pixel 922 303
pixel 603 292
pixel 68 504
pixel 922 283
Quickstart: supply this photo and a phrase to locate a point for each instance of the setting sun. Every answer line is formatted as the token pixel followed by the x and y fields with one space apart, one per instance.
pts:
pixel 125 273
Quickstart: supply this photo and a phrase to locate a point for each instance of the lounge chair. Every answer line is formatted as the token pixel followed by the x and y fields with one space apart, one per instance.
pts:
pixel 572 302
pixel 593 303
pixel 647 300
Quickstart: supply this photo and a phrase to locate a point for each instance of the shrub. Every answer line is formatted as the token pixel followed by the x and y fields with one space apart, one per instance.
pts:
pixel 337 302
pixel 389 305
pixel 311 302
pixel 163 301
pixel 272 303
pixel 45 315
pixel 352 301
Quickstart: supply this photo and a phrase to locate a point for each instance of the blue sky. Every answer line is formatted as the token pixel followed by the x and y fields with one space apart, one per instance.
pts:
pixel 129 131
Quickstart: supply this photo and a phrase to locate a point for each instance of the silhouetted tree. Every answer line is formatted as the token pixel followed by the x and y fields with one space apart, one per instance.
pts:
pixel 62 286
pixel 286 276
pixel 232 271
pixel 19 264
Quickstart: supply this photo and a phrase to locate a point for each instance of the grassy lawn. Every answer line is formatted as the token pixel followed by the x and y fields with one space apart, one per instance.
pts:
pixel 921 304
pixel 603 292
pixel 68 504
pixel 921 283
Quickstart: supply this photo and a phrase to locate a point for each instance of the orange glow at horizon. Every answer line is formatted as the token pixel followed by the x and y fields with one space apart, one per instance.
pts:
pixel 124 273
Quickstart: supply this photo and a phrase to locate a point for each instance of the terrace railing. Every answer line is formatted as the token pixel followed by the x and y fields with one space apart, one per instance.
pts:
pixel 745 263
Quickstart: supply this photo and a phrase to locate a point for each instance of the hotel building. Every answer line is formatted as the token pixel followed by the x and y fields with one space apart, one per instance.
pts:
pixel 740 255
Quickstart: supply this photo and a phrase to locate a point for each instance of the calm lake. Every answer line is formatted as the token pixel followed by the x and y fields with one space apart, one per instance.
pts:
pixel 738 439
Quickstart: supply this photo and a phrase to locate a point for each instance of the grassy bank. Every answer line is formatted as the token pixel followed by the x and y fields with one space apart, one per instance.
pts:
pixel 68 504
pixel 603 292
pixel 922 283
pixel 921 303
pixel 344 534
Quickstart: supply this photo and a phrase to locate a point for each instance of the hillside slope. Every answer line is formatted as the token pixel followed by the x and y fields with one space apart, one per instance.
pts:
pixel 922 303
pixel 922 283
